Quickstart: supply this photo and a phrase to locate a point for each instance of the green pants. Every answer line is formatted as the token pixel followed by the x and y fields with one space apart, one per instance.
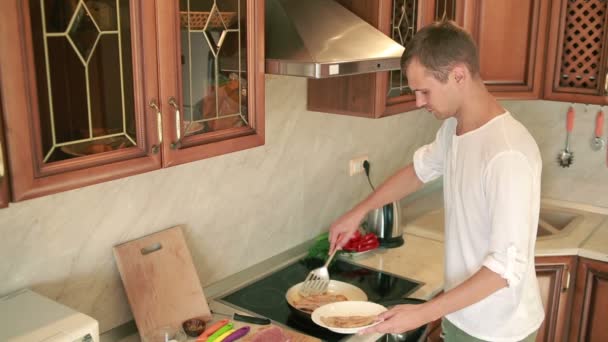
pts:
pixel 452 333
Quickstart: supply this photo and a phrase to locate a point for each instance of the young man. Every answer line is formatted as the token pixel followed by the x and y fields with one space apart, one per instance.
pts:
pixel 491 169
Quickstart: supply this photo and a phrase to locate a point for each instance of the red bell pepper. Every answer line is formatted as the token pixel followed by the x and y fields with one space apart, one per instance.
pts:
pixel 362 243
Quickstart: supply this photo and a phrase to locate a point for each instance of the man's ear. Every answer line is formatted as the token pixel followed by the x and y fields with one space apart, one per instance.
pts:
pixel 459 73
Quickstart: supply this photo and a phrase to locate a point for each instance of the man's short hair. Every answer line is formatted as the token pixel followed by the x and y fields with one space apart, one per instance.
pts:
pixel 440 45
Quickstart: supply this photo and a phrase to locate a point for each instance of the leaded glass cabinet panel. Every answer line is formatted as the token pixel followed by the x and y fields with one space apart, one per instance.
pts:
pixel 212 87
pixel 404 24
pixel 84 77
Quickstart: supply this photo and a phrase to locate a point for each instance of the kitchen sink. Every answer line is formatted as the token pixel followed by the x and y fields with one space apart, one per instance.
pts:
pixel 552 222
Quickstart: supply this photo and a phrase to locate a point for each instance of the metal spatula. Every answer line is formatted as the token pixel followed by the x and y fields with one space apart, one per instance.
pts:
pixel 317 280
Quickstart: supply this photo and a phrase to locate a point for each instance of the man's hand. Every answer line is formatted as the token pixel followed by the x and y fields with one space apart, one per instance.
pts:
pixel 343 229
pixel 400 318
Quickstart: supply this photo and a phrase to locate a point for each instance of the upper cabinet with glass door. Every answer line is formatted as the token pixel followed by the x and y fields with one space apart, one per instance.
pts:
pixel 380 94
pixel 212 79
pixel 99 89
pixel 404 24
pixel 75 84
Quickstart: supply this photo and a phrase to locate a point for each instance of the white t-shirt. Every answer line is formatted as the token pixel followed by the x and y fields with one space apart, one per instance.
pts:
pixel 491 185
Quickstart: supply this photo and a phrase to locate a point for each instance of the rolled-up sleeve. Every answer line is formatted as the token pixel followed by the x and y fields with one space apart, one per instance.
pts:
pixel 509 188
pixel 429 159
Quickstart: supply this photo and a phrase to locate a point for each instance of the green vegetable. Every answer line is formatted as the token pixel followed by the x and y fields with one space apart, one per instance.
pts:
pixel 320 248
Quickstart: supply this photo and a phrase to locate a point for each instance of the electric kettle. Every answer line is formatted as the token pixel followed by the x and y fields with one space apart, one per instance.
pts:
pixel 385 222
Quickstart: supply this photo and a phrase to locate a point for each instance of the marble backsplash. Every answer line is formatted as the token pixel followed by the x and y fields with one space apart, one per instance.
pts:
pixel 586 180
pixel 245 207
pixel 237 209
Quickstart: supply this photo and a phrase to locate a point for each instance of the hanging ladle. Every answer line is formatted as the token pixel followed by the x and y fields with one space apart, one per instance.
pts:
pixel 597 143
pixel 566 156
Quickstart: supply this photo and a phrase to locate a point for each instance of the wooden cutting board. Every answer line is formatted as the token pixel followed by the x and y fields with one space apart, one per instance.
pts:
pixel 160 280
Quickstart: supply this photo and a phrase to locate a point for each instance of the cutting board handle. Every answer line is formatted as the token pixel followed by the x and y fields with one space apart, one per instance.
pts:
pixel 151 248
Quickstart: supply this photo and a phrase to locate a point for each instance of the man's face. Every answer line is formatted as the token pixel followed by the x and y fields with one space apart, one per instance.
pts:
pixel 436 97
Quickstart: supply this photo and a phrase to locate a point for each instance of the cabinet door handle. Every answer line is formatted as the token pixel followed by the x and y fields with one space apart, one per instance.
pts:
pixel 1 162
pixel 159 126
pixel 178 124
pixel 567 282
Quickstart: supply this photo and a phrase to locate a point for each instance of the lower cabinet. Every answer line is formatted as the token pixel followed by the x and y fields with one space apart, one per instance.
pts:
pixel 574 292
pixel 589 319
pixel 555 275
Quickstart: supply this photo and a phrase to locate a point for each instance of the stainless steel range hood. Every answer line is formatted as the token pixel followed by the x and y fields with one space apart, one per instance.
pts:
pixel 321 38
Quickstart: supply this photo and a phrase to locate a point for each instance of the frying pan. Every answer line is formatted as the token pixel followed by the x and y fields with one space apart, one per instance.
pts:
pixel 335 287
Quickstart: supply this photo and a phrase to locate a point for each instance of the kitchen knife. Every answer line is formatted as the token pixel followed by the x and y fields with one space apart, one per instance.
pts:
pixel 244 318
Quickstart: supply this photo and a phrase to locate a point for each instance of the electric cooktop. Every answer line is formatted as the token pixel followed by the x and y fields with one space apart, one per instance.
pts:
pixel 266 296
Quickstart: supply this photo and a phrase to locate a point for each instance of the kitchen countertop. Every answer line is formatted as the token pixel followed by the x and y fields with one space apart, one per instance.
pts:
pixel 596 246
pixel 421 257
pixel 586 235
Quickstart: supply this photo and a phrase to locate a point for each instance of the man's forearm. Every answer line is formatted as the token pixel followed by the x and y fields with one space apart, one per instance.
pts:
pixel 479 286
pixel 401 184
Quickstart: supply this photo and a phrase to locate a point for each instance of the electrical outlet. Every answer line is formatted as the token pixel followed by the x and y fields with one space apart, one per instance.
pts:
pixel 356 165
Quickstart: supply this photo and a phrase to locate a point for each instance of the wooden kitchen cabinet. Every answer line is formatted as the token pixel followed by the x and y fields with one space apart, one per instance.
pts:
pixel 511 37
pixel 380 94
pixel 576 68
pixel 590 308
pixel 555 276
pixel 95 90
pixel 212 77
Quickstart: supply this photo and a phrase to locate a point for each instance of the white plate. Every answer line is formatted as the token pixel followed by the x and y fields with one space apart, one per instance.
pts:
pixel 349 291
pixel 350 308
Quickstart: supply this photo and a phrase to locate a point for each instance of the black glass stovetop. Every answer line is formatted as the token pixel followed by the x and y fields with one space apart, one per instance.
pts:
pixel 266 296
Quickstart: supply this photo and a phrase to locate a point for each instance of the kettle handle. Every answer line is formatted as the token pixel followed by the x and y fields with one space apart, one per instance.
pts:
pixel 388 215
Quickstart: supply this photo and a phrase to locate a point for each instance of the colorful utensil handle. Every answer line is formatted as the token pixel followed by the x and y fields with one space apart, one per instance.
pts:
pixel 219 332
pixel 237 334
pixel 211 329
pixel 570 120
pixel 222 336
pixel 599 124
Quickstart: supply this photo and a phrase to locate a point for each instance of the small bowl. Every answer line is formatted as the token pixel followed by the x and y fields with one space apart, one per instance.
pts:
pixel 194 327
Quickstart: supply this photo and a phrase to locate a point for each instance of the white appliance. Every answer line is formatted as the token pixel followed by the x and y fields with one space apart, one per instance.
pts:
pixel 26 316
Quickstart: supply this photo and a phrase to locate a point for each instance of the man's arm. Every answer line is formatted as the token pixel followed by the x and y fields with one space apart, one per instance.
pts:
pixel 482 284
pixel 396 187
pixel 407 317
